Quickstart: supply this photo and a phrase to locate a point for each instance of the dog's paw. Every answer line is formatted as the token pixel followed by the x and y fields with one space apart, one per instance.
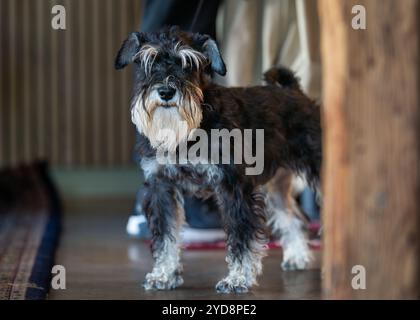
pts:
pixel 228 286
pixel 162 281
pixel 296 258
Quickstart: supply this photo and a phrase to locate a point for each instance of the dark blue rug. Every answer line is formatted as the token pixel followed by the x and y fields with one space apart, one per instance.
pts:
pixel 29 231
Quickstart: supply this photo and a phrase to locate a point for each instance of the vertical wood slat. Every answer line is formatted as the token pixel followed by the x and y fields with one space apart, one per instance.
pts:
pixel 17 66
pixel 124 89
pixel 76 104
pixel 117 100
pixel 68 34
pixel 55 100
pixel 95 90
pixel 27 123
pixel 12 72
pixel 61 99
pixel 88 66
pixel 371 176
pixel 109 91
pixel 1 87
pixel 2 95
pixel 40 80
pixel 83 83
pixel 5 75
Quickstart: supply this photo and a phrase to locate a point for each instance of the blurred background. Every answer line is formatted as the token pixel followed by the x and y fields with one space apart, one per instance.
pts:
pixel 68 180
pixel 61 99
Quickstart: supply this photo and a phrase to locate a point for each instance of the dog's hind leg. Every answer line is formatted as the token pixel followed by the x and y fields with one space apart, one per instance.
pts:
pixel 287 219
pixel 164 207
pixel 244 220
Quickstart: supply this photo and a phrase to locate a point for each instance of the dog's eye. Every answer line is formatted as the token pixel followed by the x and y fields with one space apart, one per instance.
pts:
pixel 183 64
pixel 189 67
pixel 186 66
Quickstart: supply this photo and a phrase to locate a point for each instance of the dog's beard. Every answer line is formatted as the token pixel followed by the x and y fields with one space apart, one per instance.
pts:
pixel 167 127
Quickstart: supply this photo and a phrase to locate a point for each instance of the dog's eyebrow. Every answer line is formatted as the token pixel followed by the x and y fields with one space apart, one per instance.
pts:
pixel 147 55
pixel 189 56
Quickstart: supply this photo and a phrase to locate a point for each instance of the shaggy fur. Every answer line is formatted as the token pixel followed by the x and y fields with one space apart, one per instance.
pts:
pixel 172 82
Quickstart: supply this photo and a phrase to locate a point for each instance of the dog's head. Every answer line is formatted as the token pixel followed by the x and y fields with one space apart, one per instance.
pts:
pixel 171 69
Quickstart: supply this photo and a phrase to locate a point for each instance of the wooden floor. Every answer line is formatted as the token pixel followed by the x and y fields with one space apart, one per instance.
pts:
pixel 103 263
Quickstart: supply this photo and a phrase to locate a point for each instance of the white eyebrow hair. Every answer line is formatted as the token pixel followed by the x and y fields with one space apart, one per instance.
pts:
pixel 147 55
pixel 189 56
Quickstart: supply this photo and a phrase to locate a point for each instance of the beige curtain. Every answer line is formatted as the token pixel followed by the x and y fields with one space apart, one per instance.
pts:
pixel 258 34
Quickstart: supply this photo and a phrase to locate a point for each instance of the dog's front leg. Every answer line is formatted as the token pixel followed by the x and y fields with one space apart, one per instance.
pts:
pixel 164 208
pixel 243 215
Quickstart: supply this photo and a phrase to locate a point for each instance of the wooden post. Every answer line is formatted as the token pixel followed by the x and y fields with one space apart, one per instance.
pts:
pixel 371 148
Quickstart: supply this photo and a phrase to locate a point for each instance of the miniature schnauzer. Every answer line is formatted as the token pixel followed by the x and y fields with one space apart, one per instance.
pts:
pixel 172 84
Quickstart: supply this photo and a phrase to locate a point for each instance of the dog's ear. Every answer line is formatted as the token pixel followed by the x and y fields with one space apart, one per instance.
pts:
pixel 129 49
pixel 211 50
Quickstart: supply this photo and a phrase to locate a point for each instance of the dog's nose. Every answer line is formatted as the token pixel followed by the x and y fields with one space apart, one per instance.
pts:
pixel 166 93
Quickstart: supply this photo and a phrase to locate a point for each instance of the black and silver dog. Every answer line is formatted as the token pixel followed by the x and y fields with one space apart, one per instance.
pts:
pixel 173 85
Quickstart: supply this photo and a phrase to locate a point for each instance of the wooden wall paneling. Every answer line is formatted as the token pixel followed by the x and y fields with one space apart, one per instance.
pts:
pixel 61 98
pixel 372 154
